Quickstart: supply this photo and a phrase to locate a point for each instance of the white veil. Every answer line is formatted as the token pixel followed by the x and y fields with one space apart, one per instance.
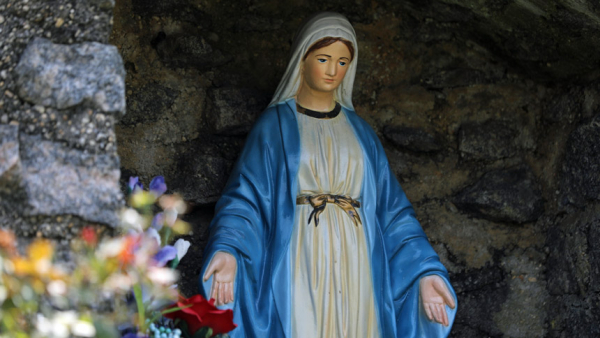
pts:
pixel 322 25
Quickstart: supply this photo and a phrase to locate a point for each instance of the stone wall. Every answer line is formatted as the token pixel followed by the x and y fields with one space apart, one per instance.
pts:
pixel 487 110
pixel 62 89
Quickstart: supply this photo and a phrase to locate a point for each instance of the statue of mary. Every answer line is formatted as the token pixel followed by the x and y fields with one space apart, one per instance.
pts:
pixel 313 235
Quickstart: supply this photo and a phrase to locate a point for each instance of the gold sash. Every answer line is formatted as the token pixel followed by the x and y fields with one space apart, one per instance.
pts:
pixel 318 202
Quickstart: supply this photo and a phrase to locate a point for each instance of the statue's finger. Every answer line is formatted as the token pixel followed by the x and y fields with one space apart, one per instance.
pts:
pixel 213 289
pixel 221 294
pixel 428 311
pixel 209 271
pixel 443 290
pixel 226 293
pixel 436 313
pixel 444 314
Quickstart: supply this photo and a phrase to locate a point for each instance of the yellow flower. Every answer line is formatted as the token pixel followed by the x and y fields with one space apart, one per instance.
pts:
pixel 38 262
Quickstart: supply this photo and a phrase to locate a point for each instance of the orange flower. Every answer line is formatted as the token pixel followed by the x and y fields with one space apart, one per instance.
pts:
pixel 127 254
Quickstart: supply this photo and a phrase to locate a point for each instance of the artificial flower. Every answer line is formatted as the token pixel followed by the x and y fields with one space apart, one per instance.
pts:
pixel 89 236
pixel 158 186
pixel 134 185
pixel 131 220
pixel 158 221
pixel 165 254
pixel 182 246
pixel 162 276
pixel 197 312
pixel 152 233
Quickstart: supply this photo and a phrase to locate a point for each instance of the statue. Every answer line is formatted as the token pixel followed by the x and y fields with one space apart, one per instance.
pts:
pixel 313 235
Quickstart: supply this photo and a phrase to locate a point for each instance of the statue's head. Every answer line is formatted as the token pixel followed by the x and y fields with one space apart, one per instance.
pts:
pixel 312 58
pixel 325 64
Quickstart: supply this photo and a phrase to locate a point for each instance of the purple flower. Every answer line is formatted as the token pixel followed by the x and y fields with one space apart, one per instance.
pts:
pixel 158 221
pixel 134 185
pixel 131 335
pixel 158 186
pixel 164 255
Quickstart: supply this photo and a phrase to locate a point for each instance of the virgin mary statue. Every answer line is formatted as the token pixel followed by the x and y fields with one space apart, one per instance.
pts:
pixel 313 235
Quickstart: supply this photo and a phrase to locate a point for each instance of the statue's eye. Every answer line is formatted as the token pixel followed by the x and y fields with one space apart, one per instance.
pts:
pixel 322 60
pixel 342 63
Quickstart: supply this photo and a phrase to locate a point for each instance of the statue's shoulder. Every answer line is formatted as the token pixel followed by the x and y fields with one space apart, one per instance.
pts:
pixel 267 120
pixel 359 123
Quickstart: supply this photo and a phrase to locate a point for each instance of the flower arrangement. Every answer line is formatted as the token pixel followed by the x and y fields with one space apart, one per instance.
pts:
pixel 121 286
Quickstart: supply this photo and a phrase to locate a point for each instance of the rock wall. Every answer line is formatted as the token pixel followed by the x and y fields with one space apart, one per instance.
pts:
pixel 488 111
pixel 62 88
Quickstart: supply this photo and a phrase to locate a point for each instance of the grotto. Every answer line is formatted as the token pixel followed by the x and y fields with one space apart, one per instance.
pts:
pixel 488 110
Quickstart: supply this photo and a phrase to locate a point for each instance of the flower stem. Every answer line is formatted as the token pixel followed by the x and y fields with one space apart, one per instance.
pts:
pixel 137 291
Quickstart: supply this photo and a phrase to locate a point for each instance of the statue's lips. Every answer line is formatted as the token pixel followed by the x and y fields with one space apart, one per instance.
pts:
pixel 329 80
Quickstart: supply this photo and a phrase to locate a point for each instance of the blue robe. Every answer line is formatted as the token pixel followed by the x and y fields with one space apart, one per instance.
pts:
pixel 254 219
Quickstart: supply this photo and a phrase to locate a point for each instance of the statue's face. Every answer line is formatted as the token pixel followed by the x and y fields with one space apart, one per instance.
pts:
pixel 324 69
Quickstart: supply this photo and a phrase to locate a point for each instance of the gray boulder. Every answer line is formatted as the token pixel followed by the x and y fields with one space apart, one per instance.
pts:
pixel 63 76
pixel 43 178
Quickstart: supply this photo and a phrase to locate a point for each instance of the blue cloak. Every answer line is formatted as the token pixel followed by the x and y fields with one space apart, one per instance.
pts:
pixel 254 219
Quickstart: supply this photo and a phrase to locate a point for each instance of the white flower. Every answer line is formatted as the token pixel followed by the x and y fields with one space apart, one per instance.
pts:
pixel 162 276
pixel 132 220
pixel 110 248
pixel 3 294
pixel 57 288
pixel 182 247
pixel 83 329
pixel 119 282
pixel 170 216
pixel 152 233
pixel 43 325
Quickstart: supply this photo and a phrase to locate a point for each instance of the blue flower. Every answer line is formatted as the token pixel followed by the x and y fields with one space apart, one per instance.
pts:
pixel 158 186
pixel 134 185
pixel 158 221
pixel 164 255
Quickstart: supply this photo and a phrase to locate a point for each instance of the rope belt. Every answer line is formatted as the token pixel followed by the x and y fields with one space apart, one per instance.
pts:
pixel 318 202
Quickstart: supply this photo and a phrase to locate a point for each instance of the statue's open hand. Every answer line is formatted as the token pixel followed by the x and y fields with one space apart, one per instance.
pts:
pixel 435 296
pixel 223 266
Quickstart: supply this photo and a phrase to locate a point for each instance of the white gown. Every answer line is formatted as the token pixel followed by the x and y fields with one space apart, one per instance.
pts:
pixel 332 292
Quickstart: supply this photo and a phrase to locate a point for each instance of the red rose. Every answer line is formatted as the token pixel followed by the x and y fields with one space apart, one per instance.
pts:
pixel 202 313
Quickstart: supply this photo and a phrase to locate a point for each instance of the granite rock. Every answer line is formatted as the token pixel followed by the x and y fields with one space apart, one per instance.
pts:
pixel 565 107
pixel 489 141
pixel 581 165
pixel 64 76
pixel 202 178
pixel 53 180
pixel 182 50
pixel 574 279
pixel 9 151
pixel 234 109
pixel 414 139
pixel 511 195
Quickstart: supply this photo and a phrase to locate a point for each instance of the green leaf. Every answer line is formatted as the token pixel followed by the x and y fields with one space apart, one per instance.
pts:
pixel 105 329
pixel 174 263
pixel 204 332
pixel 174 309
pixel 137 291
pixel 184 328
